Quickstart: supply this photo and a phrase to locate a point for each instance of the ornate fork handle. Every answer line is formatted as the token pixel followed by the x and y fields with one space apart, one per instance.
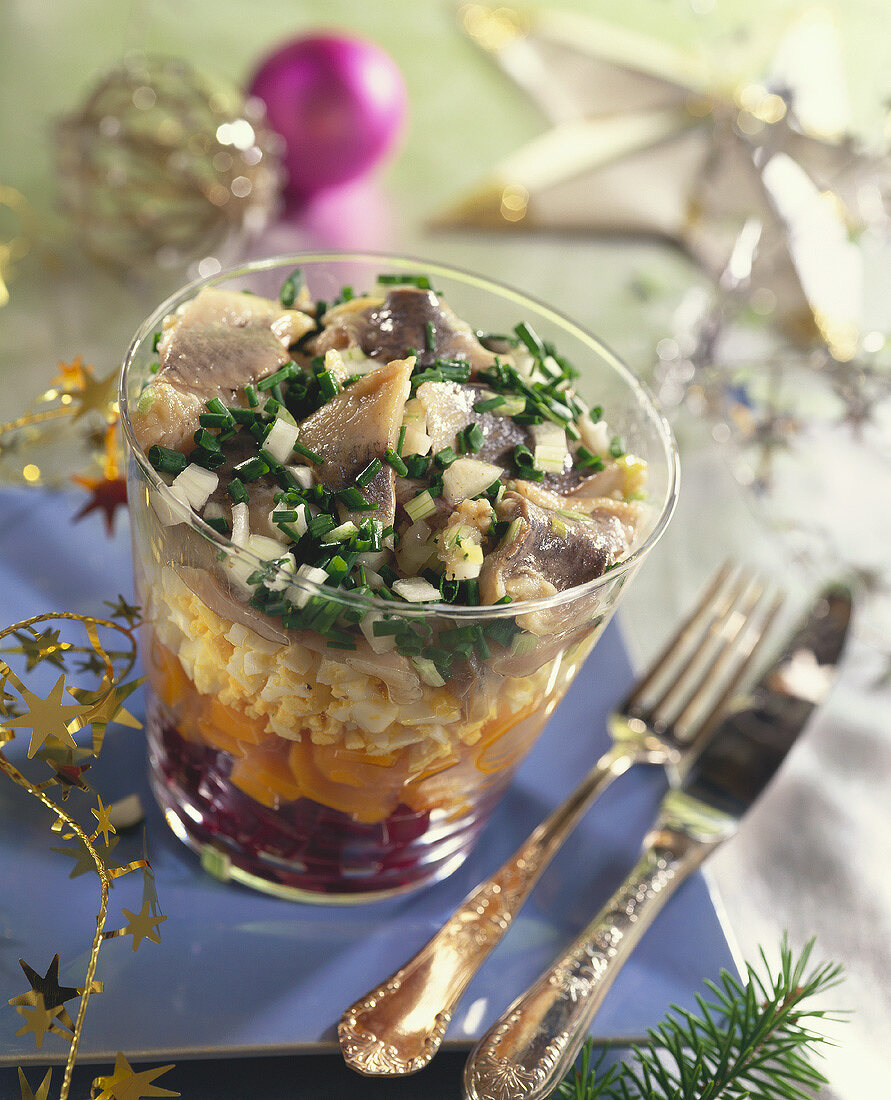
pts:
pixel 398 1027
pixel 528 1050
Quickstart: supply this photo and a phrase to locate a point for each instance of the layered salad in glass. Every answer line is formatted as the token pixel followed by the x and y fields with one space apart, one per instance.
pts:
pixel 366 583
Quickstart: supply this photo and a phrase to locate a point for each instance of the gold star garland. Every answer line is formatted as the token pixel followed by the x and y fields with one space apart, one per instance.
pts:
pixel 79 410
pixel 52 725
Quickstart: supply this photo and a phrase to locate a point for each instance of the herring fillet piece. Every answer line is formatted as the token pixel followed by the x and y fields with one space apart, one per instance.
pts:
pixel 386 330
pixel 213 346
pixel 551 553
pixel 357 425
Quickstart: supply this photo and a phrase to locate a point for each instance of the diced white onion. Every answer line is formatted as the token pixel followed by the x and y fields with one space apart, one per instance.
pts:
pixel 550 459
pixel 413 547
pixel 595 436
pixel 281 439
pixel 428 671
pixel 303 476
pixel 420 506
pixel 511 406
pixel 213 510
pixel 302 593
pixel 342 533
pixel 468 477
pixel 415 414
pixel 240 524
pixel 416 441
pixel 194 485
pixel 283 576
pixel 415 590
pixel 379 643
pixel 264 547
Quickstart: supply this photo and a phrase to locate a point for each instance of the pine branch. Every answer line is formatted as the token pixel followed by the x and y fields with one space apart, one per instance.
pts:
pixel 757 1039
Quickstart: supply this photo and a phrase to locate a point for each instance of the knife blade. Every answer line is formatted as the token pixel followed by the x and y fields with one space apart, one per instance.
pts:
pixel 533 1044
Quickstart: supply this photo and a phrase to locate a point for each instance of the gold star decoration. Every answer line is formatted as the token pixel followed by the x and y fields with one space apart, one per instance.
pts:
pixel 69 766
pixel 83 861
pixel 47 986
pixel 72 376
pixel 106 704
pixel 107 494
pixel 39 1019
pixel 142 925
pixel 48 717
pixel 42 1089
pixel 769 155
pixel 38 647
pixel 120 609
pixel 104 826
pixel 126 1084
pixel 97 395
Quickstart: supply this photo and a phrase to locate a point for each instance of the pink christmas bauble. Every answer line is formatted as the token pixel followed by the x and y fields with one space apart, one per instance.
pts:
pixel 337 101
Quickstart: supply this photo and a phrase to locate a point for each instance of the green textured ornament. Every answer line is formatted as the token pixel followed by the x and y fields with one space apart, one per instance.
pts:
pixel 163 165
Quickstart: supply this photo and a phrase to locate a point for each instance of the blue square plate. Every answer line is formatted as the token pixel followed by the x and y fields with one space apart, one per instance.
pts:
pixel 238 972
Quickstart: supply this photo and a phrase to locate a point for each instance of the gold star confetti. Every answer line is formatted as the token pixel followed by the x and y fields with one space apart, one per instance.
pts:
pixel 126 1084
pixel 42 1089
pixel 47 986
pixel 142 925
pixel 83 861
pixel 41 647
pixel 120 609
pixel 107 494
pixel 39 1019
pixel 68 764
pixel 107 704
pixel 72 376
pixel 97 395
pixel 104 825
pixel 48 717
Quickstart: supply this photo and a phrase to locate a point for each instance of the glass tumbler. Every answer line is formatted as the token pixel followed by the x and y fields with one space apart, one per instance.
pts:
pixel 346 774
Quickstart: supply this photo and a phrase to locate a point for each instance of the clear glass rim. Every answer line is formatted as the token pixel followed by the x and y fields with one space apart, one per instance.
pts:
pixel 503 290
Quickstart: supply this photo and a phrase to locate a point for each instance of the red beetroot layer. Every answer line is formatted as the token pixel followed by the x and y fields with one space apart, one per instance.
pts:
pixel 302 844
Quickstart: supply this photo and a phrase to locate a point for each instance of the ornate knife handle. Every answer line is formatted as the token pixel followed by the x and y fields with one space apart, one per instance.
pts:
pixel 398 1027
pixel 527 1051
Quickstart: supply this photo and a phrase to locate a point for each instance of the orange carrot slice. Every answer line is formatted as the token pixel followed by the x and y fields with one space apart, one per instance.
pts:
pixel 264 773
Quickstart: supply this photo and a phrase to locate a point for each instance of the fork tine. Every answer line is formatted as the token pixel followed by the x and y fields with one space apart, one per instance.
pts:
pixel 713 651
pixel 747 655
pixel 689 628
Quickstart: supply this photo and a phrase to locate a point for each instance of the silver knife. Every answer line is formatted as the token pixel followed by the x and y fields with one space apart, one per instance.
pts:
pixel 528 1050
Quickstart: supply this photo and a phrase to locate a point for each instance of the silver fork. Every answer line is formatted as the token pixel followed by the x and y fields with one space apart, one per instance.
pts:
pixel 397 1028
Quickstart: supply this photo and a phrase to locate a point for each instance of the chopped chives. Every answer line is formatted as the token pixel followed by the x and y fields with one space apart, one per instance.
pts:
pixel 251 394
pixel 285 372
pixel 430 336
pixel 242 416
pixel 352 498
pixel 307 453
pixel 156 339
pixel 616 446
pixel 321 310
pixel 154 368
pixel 215 405
pixel 214 420
pixel 337 569
pixel 203 438
pixel 251 468
pixel 420 281
pixel 489 403
pixel 291 288
pixel 445 458
pixel 587 459
pixel 417 465
pixel 285 515
pixel 369 473
pixel 396 462
pixel 167 461
pixel 319 526
pixel 237 491
pixel 523 456
pixel 219 524
pixel 596 413
pixel 473 438
pixel 328 385
pixel 401 441
pixel 210 460
pixel 423 376
pixel 472 592
pixel 531 339
pixel 452 370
